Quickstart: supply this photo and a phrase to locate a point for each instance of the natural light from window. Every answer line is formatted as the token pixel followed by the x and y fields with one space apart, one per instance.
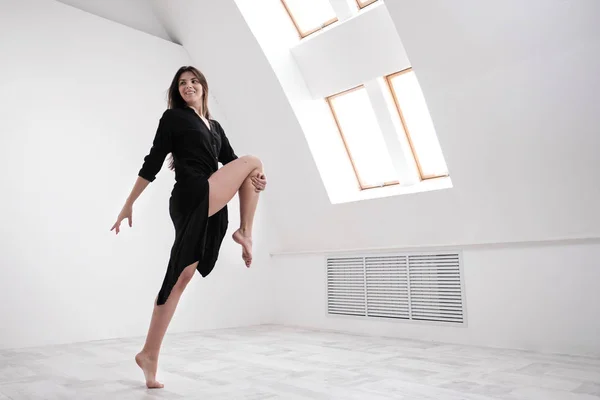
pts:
pixel 418 124
pixel 363 139
pixel 309 15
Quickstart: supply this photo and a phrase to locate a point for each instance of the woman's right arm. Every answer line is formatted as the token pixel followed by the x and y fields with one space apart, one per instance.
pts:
pixel 127 210
pixel 138 188
pixel 153 162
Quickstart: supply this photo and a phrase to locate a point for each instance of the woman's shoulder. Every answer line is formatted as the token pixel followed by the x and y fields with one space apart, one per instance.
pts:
pixel 175 116
pixel 173 112
pixel 217 125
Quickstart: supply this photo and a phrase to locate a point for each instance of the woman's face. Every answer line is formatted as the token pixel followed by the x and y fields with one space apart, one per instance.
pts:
pixel 190 88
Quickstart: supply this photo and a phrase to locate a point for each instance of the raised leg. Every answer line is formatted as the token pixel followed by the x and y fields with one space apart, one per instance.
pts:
pixel 147 359
pixel 235 177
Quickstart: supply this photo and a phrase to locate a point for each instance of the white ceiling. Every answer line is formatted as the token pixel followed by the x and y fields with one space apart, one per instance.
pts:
pixel 137 14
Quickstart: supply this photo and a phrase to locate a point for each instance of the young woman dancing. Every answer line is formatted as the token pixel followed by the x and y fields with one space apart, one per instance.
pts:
pixel 198 203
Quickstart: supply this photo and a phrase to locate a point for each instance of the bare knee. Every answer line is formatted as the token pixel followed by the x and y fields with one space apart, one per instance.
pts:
pixel 253 161
pixel 186 276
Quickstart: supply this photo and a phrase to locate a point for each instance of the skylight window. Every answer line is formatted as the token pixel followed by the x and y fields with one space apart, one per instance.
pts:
pixel 364 3
pixel 363 139
pixel 417 124
pixel 383 153
pixel 310 16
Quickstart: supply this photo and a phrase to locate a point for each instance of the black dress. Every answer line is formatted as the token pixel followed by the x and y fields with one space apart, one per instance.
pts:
pixel 196 151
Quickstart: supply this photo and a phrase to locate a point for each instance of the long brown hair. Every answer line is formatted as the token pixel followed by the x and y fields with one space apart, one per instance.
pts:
pixel 176 101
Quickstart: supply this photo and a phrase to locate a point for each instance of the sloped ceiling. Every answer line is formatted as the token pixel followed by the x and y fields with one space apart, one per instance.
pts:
pixel 137 14
pixel 492 73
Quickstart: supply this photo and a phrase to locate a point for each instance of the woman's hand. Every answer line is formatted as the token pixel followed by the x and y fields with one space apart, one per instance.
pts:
pixel 259 181
pixel 126 212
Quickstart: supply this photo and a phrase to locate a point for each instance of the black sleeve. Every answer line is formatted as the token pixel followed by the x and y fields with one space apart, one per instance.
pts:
pixel 161 146
pixel 226 155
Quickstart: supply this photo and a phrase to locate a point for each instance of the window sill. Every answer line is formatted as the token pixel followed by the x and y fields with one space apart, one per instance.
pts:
pixel 395 190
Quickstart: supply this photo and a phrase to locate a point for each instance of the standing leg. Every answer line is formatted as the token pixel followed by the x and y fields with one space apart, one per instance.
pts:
pixel 147 359
pixel 224 183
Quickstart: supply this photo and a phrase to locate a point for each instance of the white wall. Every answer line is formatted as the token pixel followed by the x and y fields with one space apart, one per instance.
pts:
pixel 81 99
pixel 533 297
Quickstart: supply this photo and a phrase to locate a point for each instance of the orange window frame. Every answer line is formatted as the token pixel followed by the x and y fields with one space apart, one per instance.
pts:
pixel 388 80
pixel 361 184
pixel 301 33
pixel 364 3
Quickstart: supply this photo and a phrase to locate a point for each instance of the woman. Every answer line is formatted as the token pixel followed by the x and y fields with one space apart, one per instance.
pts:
pixel 198 203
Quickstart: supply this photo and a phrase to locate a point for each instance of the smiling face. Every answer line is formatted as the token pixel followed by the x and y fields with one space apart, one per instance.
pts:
pixel 190 88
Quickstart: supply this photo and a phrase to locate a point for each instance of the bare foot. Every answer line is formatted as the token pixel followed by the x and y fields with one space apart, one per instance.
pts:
pixel 149 367
pixel 242 238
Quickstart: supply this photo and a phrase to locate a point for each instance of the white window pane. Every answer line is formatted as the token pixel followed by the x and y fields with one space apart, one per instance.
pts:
pixel 310 14
pixel 363 137
pixel 419 124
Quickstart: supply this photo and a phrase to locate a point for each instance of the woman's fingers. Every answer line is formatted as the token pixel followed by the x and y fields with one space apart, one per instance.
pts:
pixel 259 182
pixel 117 226
pixel 126 212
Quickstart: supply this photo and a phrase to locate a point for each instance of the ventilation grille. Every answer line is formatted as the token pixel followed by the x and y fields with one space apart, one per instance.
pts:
pixel 387 288
pixel 425 287
pixel 346 286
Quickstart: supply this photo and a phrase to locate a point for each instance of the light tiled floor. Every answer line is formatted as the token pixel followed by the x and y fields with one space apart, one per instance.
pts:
pixel 270 362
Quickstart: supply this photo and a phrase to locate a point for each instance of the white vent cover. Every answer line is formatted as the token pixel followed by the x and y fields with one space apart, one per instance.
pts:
pixel 387 287
pixel 425 286
pixel 346 286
